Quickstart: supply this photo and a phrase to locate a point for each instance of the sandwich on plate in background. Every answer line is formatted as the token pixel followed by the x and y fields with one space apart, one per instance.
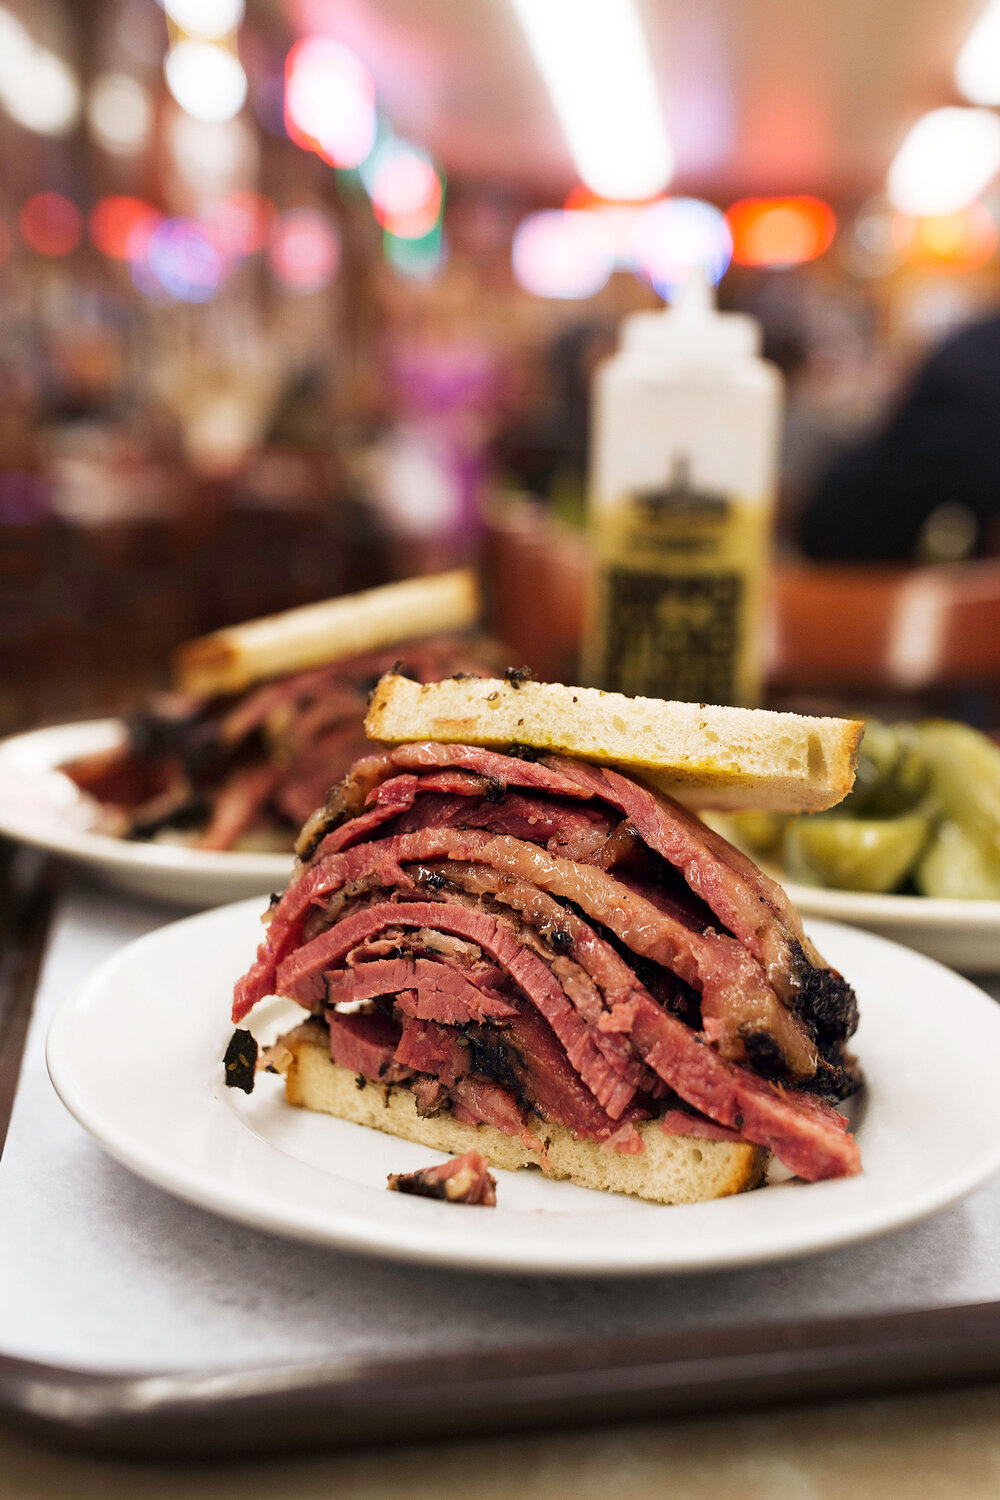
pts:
pixel 267 714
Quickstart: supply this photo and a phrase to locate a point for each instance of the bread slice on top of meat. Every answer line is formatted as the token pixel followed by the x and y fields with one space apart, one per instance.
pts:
pixel 709 757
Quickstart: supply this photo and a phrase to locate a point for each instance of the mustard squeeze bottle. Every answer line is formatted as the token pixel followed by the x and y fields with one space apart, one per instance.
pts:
pixel 686 422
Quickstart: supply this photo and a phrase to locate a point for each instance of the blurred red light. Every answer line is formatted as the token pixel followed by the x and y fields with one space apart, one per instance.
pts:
pixel 241 224
pixel 780 231
pixel 406 190
pixel 117 223
pixel 305 251
pixel 403 182
pixel 50 224
pixel 414 226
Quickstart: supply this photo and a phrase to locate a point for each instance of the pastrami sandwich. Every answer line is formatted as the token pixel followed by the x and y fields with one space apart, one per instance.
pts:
pixel 268 713
pixel 550 961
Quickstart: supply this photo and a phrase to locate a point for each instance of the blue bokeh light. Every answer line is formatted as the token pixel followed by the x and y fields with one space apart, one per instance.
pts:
pixel 180 258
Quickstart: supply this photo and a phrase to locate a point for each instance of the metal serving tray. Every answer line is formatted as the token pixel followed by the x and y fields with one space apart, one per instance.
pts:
pixel 919 1309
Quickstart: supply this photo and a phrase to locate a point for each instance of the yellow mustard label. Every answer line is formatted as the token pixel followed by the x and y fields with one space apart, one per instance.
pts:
pixel 676 601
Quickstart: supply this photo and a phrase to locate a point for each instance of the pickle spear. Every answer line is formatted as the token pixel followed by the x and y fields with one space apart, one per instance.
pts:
pixel 956 865
pixel 855 854
pixel 892 776
pixel 965 778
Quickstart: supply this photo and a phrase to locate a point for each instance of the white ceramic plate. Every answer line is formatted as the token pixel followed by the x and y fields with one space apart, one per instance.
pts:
pixel 39 805
pixel 136 1056
pixel 963 934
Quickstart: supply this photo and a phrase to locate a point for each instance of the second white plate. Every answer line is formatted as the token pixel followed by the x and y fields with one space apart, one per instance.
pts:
pixel 136 1056
pixel 965 935
pixel 39 805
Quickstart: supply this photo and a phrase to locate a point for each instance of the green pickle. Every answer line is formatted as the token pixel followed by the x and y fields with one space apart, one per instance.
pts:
pixel 892 774
pixel 965 779
pixel 924 810
pixel 855 854
pixel 878 757
pixel 956 865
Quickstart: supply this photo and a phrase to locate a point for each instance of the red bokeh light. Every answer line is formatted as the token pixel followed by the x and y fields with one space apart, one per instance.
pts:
pixel 241 224
pixel 305 250
pixel 780 231
pixel 414 222
pixel 51 224
pixel 406 192
pixel 118 224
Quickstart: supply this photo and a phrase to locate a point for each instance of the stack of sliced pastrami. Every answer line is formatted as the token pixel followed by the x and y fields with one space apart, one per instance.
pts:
pixel 511 937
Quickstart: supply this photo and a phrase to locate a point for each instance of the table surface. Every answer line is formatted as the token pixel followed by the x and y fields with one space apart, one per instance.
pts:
pixel 932 1444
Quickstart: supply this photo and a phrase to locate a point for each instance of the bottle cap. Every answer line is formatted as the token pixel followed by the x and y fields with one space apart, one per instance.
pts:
pixel 692 328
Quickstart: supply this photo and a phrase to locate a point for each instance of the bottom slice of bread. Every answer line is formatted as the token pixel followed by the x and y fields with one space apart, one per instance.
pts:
pixel 670 1169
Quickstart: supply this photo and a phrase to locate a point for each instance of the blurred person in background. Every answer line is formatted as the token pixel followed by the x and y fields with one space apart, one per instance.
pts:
pixel 925 487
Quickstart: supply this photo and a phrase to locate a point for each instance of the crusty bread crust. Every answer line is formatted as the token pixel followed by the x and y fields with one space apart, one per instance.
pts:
pixel 709 757
pixel 671 1168
pixel 230 660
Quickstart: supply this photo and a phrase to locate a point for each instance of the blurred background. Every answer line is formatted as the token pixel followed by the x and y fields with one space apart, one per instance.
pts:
pixel 297 296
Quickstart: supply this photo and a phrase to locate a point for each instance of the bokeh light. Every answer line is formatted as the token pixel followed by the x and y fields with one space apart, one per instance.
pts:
pixel 206 80
pixel 305 250
pixel 51 224
pixel 561 253
pixel 977 66
pixel 240 224
pixel 780 231
pixel 119 113
pixel 675 235
pixel 205 19
pixel 182 258
pixel 947 158
pixel 962 241
pixel 329 101
pixel 406 191
pixel 15 47
pixel 597 66
pixel 117 224
pixel 38 89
